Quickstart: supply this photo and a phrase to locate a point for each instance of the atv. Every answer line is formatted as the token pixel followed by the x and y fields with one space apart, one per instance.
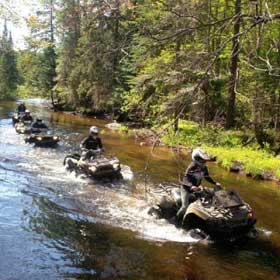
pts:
pixel 42 139
pixel 97 167
pixel 219 213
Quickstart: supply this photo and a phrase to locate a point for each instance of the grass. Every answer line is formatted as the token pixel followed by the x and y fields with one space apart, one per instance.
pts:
pixel 255 162
pixel 228 146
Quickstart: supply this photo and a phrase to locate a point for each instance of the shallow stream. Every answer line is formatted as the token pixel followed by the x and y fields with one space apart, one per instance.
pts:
pixel 54 225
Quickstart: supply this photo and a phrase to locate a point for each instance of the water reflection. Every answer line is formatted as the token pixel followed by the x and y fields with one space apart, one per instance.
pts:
pixel 88 249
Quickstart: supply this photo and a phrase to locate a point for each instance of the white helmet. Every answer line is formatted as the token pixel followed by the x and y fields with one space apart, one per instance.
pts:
pixel 198 153
pixel 94 130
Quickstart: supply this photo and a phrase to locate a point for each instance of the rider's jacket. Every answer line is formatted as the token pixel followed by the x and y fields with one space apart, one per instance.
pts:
pixel 91 143
pixel 195 173
pixel 25 118
pixel 38 125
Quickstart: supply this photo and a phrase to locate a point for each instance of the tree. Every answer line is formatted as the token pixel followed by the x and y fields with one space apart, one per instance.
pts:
pixel 8 65
pixel 157 61
pixel 40 75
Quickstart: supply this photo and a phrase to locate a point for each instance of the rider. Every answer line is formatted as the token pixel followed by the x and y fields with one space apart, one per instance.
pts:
pixel 26 117
pixel 196 171
pixel 91 144
pixel 38 125
pixel 21 108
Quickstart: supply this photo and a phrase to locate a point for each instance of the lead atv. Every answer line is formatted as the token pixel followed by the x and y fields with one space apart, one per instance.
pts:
pixel 97 167
pixel 221 214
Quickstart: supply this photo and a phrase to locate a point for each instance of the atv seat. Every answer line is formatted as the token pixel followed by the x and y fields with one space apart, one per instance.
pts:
pixel 227 199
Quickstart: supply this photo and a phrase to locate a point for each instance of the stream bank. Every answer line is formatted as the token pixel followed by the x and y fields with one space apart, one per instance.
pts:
pixel 232 154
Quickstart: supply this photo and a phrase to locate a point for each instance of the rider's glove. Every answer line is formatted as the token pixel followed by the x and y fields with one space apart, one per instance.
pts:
pixel 195 189
pixel 218 186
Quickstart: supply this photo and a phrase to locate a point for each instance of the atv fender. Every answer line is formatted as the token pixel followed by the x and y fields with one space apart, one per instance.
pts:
pixel 199 212
pixel 70 163
pixel 192 221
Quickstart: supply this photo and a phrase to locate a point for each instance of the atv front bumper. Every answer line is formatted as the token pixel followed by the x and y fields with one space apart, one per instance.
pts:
pixel 230 229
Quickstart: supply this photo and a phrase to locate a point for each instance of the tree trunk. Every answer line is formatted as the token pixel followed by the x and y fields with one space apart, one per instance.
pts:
pixel 260 134
pixel 258 128
pixel 177 107
pixel 234 67
pixel 206 102
pixel 116 37
pixel 176 122
pixel 51 21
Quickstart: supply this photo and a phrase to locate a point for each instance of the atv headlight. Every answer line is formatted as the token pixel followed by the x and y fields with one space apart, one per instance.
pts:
pixel 55 138
pixel 116 165
pixel 39 138
pixel 250 215
pixel 92 168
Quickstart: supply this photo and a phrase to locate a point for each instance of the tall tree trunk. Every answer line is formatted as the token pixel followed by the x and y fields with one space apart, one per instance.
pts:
pixel 257 121
pixel 116 36
pixel 52 45
pixel 234 67
pixel 176 120
pixel 206 102
pixel 177 107
pixel 51 21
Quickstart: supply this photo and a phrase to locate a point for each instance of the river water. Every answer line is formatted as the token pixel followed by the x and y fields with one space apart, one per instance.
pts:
pixel 54 225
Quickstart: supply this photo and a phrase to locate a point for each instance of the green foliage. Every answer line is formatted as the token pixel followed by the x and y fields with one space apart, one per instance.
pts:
pixel 37 63
pixel 155 60
pixel 192 134
pixel 255 162
pixel 9 77
pixel 37 72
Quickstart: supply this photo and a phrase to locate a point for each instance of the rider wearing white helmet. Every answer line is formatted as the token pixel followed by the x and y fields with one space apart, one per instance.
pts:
pixel 194 174
pixel 91 144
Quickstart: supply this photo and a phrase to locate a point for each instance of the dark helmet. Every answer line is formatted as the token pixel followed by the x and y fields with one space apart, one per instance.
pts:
pixel 39 120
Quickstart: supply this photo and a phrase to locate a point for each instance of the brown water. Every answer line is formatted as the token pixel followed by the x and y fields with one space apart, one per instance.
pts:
pixel 56 226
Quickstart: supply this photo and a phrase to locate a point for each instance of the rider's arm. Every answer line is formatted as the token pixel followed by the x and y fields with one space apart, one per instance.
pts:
pixel 83 143
pixel 34 125
pixel 188 182
pixel 207 176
